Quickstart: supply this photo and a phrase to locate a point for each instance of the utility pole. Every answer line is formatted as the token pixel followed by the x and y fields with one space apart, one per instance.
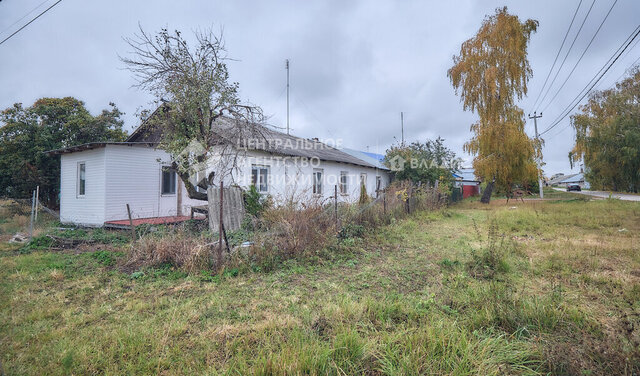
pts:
pixel 402 126
pixel 287 67
pixel 535 124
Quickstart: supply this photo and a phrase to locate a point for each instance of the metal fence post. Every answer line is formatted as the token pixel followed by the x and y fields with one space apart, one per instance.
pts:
pixel 335 203
pixel 37 201
pixel 220 225
pixel 33 200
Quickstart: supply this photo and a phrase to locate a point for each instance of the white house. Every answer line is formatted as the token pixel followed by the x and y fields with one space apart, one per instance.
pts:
pixel 575 179
pixel 99 179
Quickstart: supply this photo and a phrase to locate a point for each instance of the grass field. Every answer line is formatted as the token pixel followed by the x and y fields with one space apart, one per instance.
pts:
pixel 518 288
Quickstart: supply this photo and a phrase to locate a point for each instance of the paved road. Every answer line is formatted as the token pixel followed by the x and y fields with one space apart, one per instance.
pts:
pixel 603 194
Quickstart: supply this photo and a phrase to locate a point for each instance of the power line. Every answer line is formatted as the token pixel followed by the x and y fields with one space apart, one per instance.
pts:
pixel 558 54
pixel 567 54
pixel 559 132
pixel 594 81
pixel 28 23
pixel 23 17
pixel 581 56
pixel 628 68
pixel 610 86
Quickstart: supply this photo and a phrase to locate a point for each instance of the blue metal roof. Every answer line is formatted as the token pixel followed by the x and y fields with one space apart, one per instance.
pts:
pixel 466 174
pixel 379 157
pixel 371 158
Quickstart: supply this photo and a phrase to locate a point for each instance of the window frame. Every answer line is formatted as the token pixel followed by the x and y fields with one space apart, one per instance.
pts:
pixel 81 179
pixel 259 168
pixel 164 169
pixel 315 184
pixel 344 185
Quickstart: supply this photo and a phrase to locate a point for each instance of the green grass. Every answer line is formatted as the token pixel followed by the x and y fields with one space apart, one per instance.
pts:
pixel 533 288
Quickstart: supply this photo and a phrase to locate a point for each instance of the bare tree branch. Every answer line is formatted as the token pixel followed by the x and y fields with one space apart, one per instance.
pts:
pixel 194 82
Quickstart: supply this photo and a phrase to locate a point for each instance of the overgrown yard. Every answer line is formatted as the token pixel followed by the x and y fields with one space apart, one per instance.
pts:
pixel 518 288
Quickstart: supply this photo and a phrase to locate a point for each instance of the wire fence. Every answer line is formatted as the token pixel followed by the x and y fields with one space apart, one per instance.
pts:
pixel 394 202
pixel 291 228
pixel 22 219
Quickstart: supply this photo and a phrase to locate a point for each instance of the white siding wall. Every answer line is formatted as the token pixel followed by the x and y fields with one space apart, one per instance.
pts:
pixel 134 177
pixel 292 178
pixel 86 210
pixel 121 174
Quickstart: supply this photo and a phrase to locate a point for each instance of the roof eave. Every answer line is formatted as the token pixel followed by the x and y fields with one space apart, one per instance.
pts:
pixel 93 145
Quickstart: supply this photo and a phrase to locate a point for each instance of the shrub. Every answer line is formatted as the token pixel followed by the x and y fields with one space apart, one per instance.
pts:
pixel 37 242
pixel 351 230
pixel 364 197
pixel 254 202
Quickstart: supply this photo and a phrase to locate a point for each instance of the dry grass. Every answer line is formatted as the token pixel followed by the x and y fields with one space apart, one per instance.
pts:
pixel 15 216
pixel 400 199
pixel 181 249
pixel 12 217
pixel 406 302
pixel 293 230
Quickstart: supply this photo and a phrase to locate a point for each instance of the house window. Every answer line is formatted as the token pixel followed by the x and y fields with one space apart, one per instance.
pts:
pixel 378 185
pixel 260 177
pixel 317 181
pixel 344 175
pixel 82 178
pixel 168 181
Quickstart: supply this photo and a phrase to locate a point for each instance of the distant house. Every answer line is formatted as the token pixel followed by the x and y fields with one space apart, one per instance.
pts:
pixel 575 179
pixel 467 180
pixel 99 179
pixel 562 180
pixel 556 176
pixel 556 179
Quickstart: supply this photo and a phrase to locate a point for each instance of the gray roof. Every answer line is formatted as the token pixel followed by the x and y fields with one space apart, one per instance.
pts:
pixel 573 178
pixel 253 136
pixel 561 179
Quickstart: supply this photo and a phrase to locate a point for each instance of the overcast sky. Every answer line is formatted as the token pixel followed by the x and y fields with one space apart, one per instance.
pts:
pixel 354 64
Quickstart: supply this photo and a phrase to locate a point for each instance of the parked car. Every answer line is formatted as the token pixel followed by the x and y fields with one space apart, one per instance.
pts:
pixel 573 187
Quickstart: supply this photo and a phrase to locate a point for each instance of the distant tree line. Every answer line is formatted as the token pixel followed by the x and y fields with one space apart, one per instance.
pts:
pixel 48 124
pixel 425 162
pixel 608 136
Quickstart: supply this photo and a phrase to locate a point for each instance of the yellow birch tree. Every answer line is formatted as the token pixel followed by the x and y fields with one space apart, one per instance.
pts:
pixel 490 74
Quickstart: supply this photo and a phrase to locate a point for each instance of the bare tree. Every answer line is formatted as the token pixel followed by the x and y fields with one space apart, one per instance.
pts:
pixel 200 116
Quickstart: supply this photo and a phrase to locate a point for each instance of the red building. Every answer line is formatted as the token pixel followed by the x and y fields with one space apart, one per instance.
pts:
pixel 466 178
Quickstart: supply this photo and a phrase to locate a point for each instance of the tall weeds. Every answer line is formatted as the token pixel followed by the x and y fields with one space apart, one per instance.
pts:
pixel 297 228
pixel 290 231
pixel 179 248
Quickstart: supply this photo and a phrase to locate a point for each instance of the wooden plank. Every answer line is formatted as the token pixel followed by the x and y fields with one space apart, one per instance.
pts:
pixel 232 208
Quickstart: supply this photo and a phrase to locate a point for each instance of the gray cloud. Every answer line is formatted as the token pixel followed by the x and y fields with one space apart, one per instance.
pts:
pixel 354 65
